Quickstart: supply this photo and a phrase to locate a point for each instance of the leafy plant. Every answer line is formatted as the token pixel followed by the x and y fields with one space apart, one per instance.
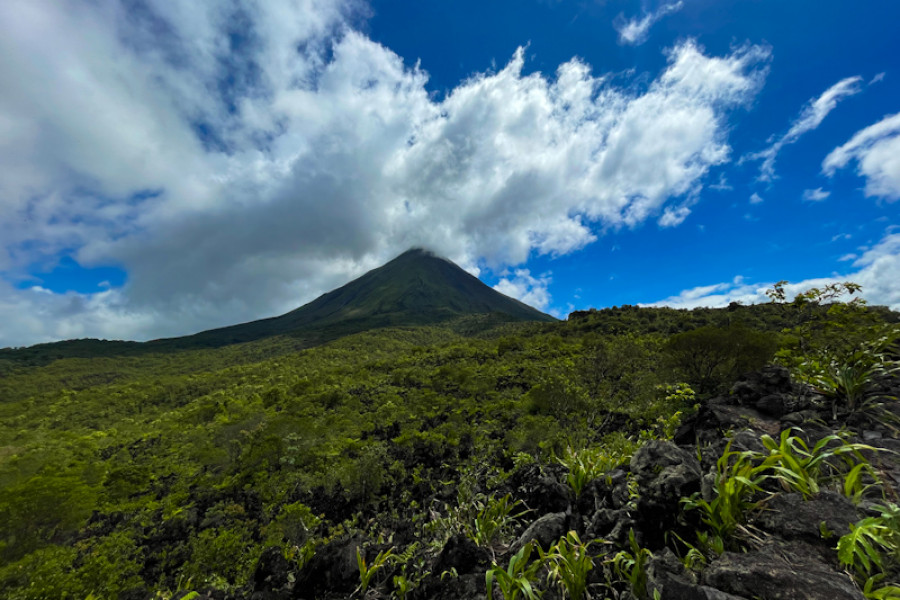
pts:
pixel 493 518
pixel 711 542
pixel 887 592
pixel 854 485
pixel 583 465
pixel 861 548
pixel 850 382
pixel 679 396
pixel 734 485
pixel 587 464
pixel 632 566
pixel 694 558
pixel 404 583
pixel 863 551
pixel 517 578
pixel 484 520
pixel 800 469
pixel 367 572
pixel 402 586
pixel 569 561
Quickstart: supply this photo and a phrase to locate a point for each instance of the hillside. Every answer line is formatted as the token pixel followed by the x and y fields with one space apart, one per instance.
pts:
pixel 416 288
pixel 439 452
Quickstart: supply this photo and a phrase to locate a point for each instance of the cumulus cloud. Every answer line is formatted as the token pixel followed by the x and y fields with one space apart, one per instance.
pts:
pixel 635 31
pixel 755 198
pixel 877 271
pixel 37 314
pixel 876 150
pixel 673 217
pixel 523 286
pixel 816 195
pixel 239 159
pixel 809 119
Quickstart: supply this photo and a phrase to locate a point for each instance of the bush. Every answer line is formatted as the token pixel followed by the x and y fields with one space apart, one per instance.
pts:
pixel 709 358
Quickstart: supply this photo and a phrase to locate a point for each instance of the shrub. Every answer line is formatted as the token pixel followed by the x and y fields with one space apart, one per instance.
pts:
pixel 711 357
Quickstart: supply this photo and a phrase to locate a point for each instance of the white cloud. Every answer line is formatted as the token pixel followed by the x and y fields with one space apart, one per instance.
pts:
pixel 877 271
pixel 816 195
pixel 878 77
pixel 809 119
pixel 722 185
pixel 876 149
pixel 635 31
pixel 672 217
pixel 41 315
pixel 755 198
pixel 522 285
pixel 239 159
pixel 848 257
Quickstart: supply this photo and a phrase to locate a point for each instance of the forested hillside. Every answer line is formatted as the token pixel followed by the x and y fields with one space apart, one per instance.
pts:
pixel 409 461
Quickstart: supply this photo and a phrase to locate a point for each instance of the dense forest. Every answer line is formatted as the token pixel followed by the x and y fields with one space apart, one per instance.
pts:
pixel 413 461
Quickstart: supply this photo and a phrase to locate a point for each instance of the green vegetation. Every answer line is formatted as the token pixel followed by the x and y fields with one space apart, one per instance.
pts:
pixel 569 562
pixel 737 480
pixel 517 579
pixel 367 571
pixel 587 464
pixel 801 469
pixel 631 565
pixel 153 472
pixel 714 357
pixel 739 485
pixel 872 549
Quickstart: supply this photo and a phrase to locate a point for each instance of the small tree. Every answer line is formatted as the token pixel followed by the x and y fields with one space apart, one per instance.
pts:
pixel 616 374
pixel 823 327
pixel 711 357
pixel 841 348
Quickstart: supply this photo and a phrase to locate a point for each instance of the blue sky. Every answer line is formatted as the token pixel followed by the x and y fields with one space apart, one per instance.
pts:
pixel 172 166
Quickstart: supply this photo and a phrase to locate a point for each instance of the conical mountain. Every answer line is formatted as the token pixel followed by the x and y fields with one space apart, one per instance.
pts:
pixel 416 288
